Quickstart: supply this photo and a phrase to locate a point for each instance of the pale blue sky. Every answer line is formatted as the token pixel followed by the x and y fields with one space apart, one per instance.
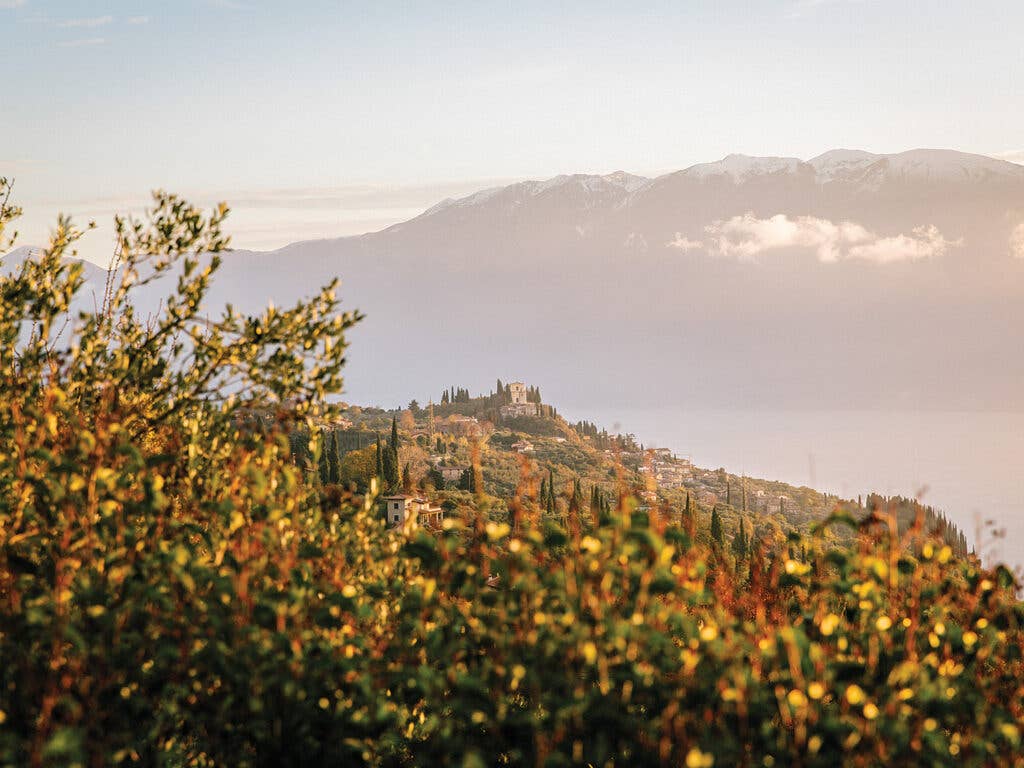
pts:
pixel 330 117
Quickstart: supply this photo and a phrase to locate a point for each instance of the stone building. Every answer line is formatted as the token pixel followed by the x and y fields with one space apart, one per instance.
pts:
pixel 519 405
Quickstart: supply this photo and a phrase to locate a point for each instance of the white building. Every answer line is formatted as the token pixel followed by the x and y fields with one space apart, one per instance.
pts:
pixel 400 508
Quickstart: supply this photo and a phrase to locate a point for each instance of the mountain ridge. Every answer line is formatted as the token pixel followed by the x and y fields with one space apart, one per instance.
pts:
pixel 844 165
pixel 775 292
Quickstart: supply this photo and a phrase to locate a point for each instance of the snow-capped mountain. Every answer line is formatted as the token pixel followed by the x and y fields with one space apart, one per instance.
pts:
pixel 613 185
pixel 741 168
pixel 927 165
pixel 848 280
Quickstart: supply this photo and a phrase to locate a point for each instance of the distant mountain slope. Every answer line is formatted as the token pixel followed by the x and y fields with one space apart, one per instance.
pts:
pixel 849 280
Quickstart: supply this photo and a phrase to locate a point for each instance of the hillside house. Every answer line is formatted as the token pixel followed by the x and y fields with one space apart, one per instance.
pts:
pixel 400 509
pixel 451 474
pixel 523 446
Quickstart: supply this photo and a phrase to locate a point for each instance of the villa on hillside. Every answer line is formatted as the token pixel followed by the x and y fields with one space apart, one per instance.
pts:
pixel 523 446
pixel 519 406
pixel 400 508
pixel 450 474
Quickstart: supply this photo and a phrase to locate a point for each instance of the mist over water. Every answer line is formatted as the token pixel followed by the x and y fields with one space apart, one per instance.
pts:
pixel 964 463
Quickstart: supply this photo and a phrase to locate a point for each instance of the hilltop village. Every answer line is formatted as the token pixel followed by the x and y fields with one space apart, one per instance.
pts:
pixel 479 452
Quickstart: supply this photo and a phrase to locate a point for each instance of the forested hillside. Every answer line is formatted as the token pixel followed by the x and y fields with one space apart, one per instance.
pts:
pixel 467 432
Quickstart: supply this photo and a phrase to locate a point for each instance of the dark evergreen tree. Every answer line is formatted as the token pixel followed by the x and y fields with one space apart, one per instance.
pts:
pixel 380 463
pixel 739 542
pixel 717 535
pixel 323 467
pixel 552 502
pixel 333 459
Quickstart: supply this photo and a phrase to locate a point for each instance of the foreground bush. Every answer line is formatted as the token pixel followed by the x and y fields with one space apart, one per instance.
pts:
pixel 174 591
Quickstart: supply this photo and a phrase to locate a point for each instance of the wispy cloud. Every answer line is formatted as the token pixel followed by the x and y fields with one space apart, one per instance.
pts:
pixel 83 42
pixel 7 4
pixel 682 243
pixel 748 238
pixel 86 23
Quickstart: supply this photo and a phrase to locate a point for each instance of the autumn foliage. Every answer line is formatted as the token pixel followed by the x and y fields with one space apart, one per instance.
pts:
pixel 175 591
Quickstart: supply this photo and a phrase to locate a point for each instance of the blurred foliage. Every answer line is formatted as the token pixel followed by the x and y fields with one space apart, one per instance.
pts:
pixel 175 590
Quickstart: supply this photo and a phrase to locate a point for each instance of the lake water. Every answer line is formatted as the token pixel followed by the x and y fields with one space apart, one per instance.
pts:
pixel 971 464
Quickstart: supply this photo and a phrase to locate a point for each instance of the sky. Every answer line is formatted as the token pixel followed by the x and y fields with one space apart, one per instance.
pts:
pixel 319 119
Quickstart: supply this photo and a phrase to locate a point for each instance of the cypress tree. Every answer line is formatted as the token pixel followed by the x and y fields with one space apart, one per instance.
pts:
pixel 552 504
pixel 717 534
pixel 380 464
pixel 333 459
pixel 739 542
pixel 388 468
pixel 391 467
pixel 728 493
pixel 323 468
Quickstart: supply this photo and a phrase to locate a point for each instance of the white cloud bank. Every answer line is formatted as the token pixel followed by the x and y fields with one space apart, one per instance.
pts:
pixel 1017 242
pixel 748 237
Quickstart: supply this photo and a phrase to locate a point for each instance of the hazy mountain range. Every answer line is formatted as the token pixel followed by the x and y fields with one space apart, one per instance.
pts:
pixel 851 280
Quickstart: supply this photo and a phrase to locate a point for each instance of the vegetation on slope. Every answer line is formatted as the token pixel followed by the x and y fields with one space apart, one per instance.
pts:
pixel 175 590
